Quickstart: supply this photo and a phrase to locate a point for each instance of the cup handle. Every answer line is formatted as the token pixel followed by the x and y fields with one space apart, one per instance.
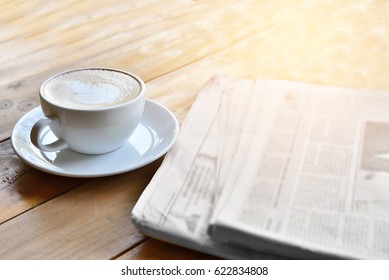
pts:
pixel 36 136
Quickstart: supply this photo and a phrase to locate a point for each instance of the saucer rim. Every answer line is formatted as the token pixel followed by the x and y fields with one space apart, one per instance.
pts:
pixel 140 164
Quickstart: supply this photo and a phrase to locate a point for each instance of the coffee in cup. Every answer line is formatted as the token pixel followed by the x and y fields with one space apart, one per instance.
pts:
pixel 91 111
pixel 91 88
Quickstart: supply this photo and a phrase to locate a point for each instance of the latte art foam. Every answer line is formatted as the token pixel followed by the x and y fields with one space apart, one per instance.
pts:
pixel 92 88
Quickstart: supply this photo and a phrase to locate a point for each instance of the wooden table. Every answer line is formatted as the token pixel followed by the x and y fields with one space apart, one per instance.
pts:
pixel 175 46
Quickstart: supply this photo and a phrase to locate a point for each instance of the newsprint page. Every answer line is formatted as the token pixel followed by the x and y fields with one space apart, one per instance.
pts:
pixel 267 169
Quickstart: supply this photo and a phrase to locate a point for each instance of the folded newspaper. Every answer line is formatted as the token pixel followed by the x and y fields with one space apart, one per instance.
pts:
pixel 267 169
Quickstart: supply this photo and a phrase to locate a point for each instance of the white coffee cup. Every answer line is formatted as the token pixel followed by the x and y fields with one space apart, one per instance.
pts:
pixel 91 110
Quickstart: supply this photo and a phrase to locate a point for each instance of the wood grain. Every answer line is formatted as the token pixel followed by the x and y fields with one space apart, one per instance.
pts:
pixel 157 43
pixel 88 222
pixel 153 249
pixel 23 188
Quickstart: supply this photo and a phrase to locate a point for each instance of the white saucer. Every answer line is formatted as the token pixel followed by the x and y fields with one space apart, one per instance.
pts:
pixel 152 138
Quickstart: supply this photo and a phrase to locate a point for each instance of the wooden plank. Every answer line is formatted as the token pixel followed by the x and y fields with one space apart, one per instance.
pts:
pixel 23 188
pixel 104 31
pixel 153 249
pixel 146 52
pixel 309 48
pixel 88 222
pixel 81 27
